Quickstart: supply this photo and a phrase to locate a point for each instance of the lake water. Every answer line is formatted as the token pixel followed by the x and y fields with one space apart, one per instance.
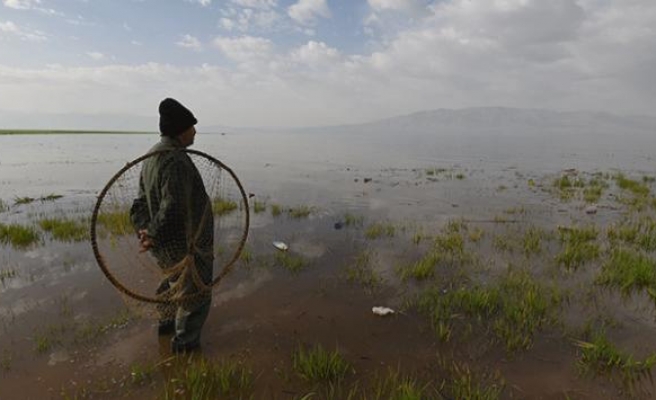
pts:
pixel 263 311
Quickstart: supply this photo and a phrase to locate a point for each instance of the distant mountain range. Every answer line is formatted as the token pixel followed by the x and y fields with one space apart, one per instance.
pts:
pixel 511 121
pixel 484 119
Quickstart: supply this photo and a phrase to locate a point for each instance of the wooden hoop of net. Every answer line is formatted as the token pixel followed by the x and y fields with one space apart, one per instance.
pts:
pixel 112 231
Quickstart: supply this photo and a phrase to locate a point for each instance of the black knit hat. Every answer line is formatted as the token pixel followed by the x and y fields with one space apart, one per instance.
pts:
pixel 174 118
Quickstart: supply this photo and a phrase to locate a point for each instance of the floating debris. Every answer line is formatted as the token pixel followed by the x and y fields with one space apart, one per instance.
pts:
pixel 280 246
pixel 382 311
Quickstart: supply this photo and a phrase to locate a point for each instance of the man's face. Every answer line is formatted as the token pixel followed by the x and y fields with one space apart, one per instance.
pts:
pixel 187 137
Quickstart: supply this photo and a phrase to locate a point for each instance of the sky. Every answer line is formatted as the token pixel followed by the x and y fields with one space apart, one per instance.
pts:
pixel 279 63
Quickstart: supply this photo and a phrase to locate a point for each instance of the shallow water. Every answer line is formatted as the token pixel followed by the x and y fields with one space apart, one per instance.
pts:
pixel 261 312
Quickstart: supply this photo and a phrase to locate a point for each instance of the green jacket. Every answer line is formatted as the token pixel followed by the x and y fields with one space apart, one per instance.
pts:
pixel 173 205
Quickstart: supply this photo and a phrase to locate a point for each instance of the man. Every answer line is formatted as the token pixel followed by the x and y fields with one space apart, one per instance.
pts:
pixel 173 219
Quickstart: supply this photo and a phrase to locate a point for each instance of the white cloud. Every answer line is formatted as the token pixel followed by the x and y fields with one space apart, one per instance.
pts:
pixel 11 29
pixel 189 42
pixel 96 55
pixel 203 3
pixel 259 4
pixel 31 5
pixel 261 17
pixel 244 48
pixel 306 12
pixel 396 5
pixel 315 54
pixel 21 4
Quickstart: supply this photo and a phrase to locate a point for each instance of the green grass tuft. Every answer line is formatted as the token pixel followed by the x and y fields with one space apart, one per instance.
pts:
pixel 276 210
pixel 207 380
pixel 362 272
pixel 600 356
pixel 379 229
pixel 259 206
pixel 300 212
pixel 18 236
pixel 292 263
pixel 579 246
pixel 319 366
pixel 513 309
pixel 116 222
pixel 629 271
pixel 223 206
pixel 65 230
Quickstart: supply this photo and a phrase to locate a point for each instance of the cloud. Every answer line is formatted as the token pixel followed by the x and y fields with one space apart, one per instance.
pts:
pixel 306 12
pixel 203 3
pixel 21 4
pixel 246 19
pixel 189 42
pixel 315 54
pixel 31 5
pixel 258 4
pixel 244 48
pixel 10 29
pixel 396 5
pixel 96 55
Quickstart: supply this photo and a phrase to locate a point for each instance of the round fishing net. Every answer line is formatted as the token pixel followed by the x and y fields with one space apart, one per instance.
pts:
pixel 167 228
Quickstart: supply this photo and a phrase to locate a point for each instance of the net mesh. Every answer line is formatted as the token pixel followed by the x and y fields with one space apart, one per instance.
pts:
pixel 167 228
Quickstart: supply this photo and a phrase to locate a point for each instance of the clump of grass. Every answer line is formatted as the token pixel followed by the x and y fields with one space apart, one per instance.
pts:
pixel 290 262
pixel 18 236
pixel 460 176
pixel 532 241
pixel 379 229
pixel 600 356
pixel 300 212
pixel 51 197
pixel 6 274
pixel 640 233
pixel 418 236
pixel 141 374
pixel 463 383
pixel 635 187
pixel 503 243
pixel 116 222
pixel 648 179
pixel 353 220
pixel 207 380
pixel 276 210
pixel 246 255
pixel 3 206
pixel 513 309
pixel 319 366
pixel 592 194
pixel 579 246
pixel 476 234
pixel 223 206
pixel 629 271
pixel 65 230
pixel 397 386
pixel 361 271
pixel 421 269
pixel 43 343
pixel 259 206
pixel 23 200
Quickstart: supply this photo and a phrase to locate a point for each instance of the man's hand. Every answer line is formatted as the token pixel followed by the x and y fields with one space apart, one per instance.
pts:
pixel 145 242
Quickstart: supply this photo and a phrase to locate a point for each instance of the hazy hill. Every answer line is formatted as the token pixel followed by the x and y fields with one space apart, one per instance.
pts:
pixel 508 121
